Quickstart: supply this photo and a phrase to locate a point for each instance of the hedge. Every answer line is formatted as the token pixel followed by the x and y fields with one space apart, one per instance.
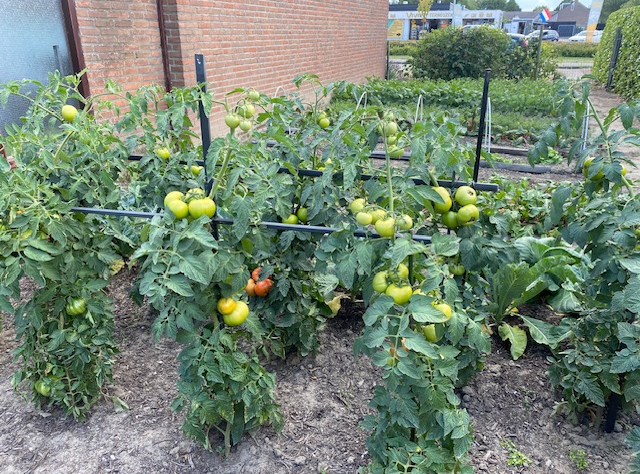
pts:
pixel 402 48
pixel 626 76
pixel 575 50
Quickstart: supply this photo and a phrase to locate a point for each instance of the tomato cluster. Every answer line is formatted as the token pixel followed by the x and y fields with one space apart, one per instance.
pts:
pixel 257 287
pixel 240 117
pixel 384 223
pixel 234 312
pixel 465 213
pixel 194 204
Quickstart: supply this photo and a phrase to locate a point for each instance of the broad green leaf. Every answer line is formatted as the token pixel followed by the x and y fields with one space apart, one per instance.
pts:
pixel 445 245
pixel 565 301
pixel 180 285
pixel 516 336
pixel 587 385
pixel 540 331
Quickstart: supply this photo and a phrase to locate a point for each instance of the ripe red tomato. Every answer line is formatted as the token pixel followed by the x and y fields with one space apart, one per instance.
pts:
pixel 262 287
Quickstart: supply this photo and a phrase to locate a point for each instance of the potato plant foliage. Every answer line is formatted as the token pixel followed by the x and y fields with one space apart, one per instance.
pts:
pixel 441 274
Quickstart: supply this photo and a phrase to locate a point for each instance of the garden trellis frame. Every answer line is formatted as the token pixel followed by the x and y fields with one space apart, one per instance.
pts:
pixel 206 143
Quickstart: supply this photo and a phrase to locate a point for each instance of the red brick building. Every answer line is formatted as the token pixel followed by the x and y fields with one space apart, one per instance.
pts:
pixel 259 43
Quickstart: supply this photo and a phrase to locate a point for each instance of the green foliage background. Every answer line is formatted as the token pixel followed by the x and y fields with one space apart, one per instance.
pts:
pixel 626 76
pixel 453 53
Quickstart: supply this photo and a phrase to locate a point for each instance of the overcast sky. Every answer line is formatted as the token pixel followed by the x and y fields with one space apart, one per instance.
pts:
pixel 528 5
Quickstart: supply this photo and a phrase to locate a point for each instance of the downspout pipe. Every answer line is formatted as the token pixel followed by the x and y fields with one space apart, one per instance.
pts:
pixel 163 46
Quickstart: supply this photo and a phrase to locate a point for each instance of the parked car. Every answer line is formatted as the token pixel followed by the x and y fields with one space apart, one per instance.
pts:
pixel 547 35
pixel 582 37
pixel 518 39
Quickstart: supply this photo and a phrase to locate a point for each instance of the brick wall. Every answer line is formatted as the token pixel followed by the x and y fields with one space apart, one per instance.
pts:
pixel 259 43
pixel 120 41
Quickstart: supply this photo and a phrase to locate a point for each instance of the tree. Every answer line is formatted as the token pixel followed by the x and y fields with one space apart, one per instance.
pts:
pixel 631 3
pixel 512 6
pixel 610 6
pixel 423 7
pixel 470 4
pixel 540 8
pixel 492 4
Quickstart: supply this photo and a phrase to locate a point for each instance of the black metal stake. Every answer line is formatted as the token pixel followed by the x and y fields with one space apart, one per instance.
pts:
pixel 614 56
pixel 205 129
pixel 483 113
pixel 612 412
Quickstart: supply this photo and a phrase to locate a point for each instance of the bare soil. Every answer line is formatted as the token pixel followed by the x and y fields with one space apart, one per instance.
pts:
pixel 323 399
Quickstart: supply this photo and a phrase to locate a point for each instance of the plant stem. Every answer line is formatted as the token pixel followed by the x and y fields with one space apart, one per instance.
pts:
pixel 388 165
pixel 221 172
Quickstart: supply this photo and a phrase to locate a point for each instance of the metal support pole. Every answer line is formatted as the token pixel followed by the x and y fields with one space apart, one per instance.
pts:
pixel 483 113
pixel 614 56
pixel 539 50
pixel 205 128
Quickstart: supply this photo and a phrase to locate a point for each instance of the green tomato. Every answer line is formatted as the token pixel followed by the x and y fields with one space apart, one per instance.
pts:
pixel 173 196
pixel 253 95
pixel 364 218
pixel 450 219
pixel 444 193
pixel 456 269
pixel 357 205
pixel 395 152
pixel 443 308
pixel 76 307
pixel 324 122
pixel 202 207
pixel 246 110
pixel 400 294
pixel 163 153
pixel 178 208
pixel 430 333
pixel 43 388
pixel 405 222
pixel 292 219
pixel 302 214
pixel 195 170
pixel 238 315
pixel 380 283
pixel 402 271
pixel 390 128
pixel 245 125
pixel 232 121
pixel 392 140
pixel 587 166
pixel 68 112
pixel 466 195
pixel 386 227
pixel 377 214
pixel 467 214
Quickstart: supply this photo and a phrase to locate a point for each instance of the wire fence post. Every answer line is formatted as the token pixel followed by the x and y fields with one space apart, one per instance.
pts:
pixel 617 42
pixel 205 129
pixel 584 134
pixel 483 113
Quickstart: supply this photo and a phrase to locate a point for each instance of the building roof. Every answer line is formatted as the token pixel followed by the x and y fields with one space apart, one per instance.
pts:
pixel 571 12
pixel 508 16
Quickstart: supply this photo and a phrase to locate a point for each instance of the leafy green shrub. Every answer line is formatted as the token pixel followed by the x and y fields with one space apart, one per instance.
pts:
pixel 574 50
pixel 402 48
pixel 451 53
pixel 521 62
pixel 625 76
